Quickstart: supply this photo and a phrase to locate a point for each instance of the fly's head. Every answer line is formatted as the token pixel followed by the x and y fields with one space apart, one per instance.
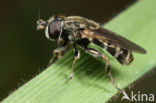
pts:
pixel 53 27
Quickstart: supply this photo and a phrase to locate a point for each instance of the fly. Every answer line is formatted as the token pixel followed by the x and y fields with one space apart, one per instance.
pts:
pixel 81 31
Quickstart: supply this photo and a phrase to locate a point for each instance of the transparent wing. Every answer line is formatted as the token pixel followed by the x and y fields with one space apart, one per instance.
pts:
pixel 103 35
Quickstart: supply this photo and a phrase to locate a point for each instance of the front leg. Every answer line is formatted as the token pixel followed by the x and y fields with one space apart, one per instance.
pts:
pixel 58 44
pixel 57 50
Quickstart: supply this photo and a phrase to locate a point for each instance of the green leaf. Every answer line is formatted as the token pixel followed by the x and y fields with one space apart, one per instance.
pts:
pixel 90 83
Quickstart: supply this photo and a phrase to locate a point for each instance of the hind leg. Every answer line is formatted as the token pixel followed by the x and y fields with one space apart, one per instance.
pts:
pixel 96 53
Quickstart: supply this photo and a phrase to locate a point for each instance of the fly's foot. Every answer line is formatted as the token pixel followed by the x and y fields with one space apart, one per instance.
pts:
pixel 71 77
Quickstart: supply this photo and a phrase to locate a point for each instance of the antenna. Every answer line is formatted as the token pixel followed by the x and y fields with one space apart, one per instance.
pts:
pixel 39 14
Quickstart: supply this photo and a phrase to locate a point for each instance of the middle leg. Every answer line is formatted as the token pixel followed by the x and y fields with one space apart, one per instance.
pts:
pixel 77 55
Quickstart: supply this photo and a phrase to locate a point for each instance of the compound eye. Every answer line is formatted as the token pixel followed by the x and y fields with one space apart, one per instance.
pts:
pixel 54 29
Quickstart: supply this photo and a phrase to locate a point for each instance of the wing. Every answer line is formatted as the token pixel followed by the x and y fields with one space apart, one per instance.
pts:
pixel 105 35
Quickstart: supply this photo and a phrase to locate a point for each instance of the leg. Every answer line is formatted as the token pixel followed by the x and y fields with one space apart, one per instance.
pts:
pixel 109 73
pixel 57 50
pixel 96 53
pixel 77 55
pixel 59 53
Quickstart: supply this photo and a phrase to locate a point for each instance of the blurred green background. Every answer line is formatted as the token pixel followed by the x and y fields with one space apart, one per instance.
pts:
pixel 24 52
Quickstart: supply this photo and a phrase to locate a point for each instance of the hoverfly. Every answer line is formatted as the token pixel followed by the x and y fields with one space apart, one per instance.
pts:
pixel 81 31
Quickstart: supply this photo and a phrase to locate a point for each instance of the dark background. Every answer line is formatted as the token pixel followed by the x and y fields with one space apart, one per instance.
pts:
pixel 24 51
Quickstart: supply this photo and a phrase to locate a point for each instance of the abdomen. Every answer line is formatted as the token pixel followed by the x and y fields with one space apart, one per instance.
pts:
pixel 123 56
